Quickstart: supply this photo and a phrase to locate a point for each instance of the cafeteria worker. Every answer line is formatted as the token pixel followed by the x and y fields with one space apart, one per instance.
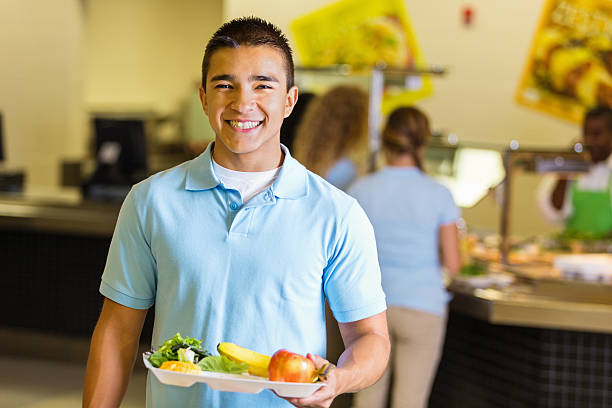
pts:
pixel 584 205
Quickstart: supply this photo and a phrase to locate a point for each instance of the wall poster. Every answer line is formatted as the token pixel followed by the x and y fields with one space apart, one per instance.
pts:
pixel 569 67
pixel 363 34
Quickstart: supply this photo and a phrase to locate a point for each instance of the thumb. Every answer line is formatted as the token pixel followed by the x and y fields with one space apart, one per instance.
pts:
pixel 317 360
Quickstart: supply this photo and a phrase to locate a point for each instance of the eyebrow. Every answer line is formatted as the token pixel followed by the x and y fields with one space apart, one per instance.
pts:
pixel 253 78
pixel 264 78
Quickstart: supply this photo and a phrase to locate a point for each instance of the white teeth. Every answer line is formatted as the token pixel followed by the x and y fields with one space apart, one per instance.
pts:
pixel 243 125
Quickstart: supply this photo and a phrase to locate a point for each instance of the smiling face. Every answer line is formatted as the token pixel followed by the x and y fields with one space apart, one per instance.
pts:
pixel 598 138
pixel 246 100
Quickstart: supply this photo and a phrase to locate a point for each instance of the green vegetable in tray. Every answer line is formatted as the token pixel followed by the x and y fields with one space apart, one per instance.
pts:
pixel 473 269
pixel 170 350
pixel 190 350
pixel 222 364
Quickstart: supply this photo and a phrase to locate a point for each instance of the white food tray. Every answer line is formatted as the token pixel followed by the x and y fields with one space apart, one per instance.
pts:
pixel 246 383
pixel 588 267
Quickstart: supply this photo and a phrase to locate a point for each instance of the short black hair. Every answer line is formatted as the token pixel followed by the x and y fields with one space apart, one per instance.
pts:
pixel 600 112
pixel 250 31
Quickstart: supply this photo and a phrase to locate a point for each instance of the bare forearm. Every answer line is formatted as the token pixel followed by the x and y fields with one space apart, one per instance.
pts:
pixel 362 364
pixel 558 194
pixel 449 248
pixel 108 370
pixel 111 360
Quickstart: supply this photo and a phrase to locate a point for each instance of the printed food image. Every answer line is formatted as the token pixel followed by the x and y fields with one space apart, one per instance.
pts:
pixel 376 40
pixel 569 68
pixel 575 67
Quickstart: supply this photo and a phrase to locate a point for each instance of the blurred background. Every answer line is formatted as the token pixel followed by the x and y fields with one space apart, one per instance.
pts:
pixel 97 94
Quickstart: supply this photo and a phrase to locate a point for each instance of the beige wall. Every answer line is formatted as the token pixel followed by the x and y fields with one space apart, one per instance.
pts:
pixel 146 54
pixel 66 57
pixel 41 84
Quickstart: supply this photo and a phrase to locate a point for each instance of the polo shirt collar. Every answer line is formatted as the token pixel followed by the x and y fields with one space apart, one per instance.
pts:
pixel 291 181
pixel 200 174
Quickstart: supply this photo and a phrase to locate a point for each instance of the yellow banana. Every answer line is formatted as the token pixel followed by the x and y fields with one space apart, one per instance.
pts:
pixel 258 363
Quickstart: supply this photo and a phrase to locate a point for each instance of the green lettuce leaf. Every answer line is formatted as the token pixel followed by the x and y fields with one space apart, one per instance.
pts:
pixel 222 364
pixel 169 350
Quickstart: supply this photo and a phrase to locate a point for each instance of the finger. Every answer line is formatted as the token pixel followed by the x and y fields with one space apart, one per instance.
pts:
pixel 317 360
pixel 293 401
pixel 318 398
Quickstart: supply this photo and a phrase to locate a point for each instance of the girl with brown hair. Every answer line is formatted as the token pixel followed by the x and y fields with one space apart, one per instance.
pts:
pixel 414 220
pixel 332 137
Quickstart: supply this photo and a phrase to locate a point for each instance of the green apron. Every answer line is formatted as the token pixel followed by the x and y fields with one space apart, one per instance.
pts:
pixel 592 213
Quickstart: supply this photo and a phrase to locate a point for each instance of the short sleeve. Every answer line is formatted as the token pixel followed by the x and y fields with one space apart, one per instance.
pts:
pixel 129 276
pixel 352 280
pixel 449 211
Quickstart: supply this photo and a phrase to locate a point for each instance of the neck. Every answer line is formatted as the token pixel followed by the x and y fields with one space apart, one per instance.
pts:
pixel 400 160
pixel 600 160
pixel 247 162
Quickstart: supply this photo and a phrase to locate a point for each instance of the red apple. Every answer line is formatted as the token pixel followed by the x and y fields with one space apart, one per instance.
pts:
pixel 291 367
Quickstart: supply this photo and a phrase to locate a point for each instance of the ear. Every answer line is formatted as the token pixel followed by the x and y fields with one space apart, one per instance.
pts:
pixel 203 99
pixel 292 97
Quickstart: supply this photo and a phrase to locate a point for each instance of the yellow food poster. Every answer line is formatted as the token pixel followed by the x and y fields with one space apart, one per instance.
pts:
pixel 363 34
pixel 569 68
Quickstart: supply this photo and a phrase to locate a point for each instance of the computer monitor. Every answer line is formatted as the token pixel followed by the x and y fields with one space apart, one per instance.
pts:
pixel 122 144
pixel 1 139
pixel 11 179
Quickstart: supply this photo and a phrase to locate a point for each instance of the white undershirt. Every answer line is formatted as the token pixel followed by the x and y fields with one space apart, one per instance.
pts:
pixel 595 180
pixel 248 183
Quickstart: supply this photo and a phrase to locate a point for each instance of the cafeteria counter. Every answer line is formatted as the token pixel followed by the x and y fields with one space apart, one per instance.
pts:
pixel 53 248
pixel 541 342
pixel 552 303
pixel 57 211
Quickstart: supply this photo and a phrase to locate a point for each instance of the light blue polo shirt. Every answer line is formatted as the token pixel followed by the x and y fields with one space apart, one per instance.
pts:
pixel 407 208
pixel 255 274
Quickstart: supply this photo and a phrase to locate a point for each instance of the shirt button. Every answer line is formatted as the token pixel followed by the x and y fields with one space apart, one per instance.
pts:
pixel 234 206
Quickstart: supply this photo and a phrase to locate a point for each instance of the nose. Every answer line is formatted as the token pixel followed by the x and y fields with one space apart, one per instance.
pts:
pixel 243 100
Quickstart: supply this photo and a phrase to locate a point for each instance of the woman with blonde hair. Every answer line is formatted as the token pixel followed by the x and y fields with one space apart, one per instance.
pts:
pixel 332 137
pixel 414 220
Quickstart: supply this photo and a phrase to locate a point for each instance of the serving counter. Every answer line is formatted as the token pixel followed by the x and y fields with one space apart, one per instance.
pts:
pixel 57 212
pixel 544 302
pixel 53 248
pixel 543 341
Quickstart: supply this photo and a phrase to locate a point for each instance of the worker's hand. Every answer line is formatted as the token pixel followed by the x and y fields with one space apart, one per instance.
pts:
pixel 323 397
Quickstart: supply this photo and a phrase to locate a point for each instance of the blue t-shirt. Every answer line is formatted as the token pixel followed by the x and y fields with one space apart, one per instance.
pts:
pixel 254 274
pixel 342 174
pixel 406 208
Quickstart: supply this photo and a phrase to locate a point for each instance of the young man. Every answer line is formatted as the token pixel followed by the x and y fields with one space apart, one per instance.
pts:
pixel 585 205
pixel 241 245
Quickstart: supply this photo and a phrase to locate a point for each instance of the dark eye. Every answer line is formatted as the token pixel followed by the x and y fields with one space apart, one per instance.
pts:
pixel 223 86
pixel 262 86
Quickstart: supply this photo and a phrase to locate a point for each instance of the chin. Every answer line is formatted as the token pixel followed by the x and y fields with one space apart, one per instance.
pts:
pixel 242 148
